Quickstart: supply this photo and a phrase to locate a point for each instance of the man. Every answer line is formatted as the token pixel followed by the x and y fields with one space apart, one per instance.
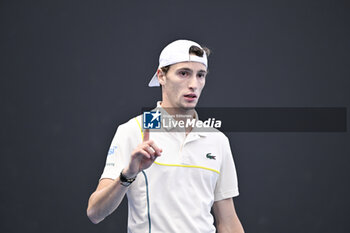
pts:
pixel 173 178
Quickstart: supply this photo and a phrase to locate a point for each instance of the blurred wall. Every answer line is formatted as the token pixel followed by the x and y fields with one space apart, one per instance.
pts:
pixel 72 71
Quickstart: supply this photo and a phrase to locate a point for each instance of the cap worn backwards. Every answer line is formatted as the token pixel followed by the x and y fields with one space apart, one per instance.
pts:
pixel 175 52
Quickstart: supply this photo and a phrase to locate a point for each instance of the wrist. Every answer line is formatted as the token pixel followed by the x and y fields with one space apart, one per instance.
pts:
pixel 125 179
pixel 128 174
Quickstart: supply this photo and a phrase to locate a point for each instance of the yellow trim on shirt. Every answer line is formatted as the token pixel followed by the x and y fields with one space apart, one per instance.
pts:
pixel 139 127
pixel 177 165
pixel 191 166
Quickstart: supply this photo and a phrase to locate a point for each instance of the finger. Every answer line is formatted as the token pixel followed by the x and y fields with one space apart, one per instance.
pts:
pixel 156 149
pixel 149 153
pixel 144 153
pixel 149 149
pixel 145 135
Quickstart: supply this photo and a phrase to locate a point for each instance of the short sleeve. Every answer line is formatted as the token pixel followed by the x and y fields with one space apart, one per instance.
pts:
pixel 227 184
pixel 119 152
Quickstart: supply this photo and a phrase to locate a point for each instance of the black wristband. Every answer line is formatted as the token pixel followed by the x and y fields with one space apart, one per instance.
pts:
pixel 124 180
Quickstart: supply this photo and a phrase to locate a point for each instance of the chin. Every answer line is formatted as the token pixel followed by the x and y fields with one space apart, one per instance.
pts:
pixel 189 106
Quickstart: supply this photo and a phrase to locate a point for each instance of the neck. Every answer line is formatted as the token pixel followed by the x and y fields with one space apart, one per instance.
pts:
pixel 179 114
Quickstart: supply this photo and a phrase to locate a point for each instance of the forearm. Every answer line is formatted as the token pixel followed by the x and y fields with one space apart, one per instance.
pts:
pixel 104 201
pixel 110 193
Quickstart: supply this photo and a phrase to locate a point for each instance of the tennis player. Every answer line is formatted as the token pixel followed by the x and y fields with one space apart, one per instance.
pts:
pixel 174 178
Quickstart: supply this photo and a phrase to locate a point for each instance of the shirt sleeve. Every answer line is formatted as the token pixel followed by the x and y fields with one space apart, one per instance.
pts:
pixel 119 152
pixel 227 184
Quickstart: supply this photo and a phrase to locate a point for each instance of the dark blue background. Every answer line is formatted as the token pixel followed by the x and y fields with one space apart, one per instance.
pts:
pixel 72 71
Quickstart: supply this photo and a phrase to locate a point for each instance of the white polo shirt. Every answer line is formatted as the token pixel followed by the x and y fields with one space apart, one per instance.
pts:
pixel 177 192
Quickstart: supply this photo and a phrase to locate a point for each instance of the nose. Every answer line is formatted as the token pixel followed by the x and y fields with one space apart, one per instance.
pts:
pixel 193 83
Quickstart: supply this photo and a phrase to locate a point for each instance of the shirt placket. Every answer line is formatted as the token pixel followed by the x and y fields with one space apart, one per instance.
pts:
pixel 184 155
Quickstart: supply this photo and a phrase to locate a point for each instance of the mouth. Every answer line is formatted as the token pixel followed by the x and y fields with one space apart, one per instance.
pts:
pixel 190 97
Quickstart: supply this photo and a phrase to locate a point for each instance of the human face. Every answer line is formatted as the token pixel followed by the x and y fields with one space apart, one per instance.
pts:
pixel 182 85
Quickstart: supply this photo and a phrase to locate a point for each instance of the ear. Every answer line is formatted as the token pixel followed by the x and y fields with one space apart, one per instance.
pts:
pixel 161 77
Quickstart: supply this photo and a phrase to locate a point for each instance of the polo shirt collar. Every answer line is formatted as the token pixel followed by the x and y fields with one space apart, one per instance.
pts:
pixel 169 128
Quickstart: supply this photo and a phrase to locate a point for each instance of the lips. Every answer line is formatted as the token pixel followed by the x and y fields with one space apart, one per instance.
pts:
pixel 190 97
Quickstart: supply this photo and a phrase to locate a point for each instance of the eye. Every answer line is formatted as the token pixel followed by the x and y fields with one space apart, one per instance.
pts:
pixel 201 75
pixel 183 73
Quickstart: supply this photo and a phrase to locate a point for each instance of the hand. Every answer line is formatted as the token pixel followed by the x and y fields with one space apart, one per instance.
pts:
pixel 143 156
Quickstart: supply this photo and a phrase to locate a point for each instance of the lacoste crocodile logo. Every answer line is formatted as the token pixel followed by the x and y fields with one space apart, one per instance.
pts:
pixel 209 156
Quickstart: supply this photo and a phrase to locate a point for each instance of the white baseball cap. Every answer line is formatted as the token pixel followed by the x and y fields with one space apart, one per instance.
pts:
pixel 175 52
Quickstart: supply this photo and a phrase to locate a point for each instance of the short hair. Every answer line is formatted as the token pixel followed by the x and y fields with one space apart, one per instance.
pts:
pixel 195 50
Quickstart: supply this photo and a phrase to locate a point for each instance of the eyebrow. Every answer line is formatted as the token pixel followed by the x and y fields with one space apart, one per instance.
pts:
pixel 184 68
pixel 188 69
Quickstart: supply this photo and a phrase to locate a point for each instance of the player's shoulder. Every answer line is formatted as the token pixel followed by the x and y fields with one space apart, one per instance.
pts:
pixel 215 135
pixel 131 127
